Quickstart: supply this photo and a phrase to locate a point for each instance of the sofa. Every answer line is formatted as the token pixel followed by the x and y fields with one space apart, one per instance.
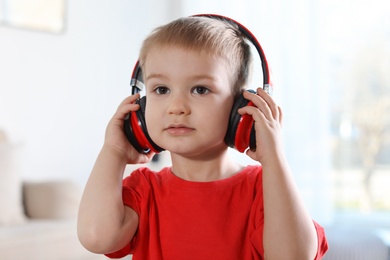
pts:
pixel 37 218
pixel 44 231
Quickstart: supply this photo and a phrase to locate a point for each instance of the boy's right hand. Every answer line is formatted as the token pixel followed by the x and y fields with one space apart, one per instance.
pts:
pixel 115 135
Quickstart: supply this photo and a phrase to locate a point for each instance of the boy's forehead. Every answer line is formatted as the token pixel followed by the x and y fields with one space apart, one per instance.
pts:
pixel 165 53
pixel 159 50
pixel 187 63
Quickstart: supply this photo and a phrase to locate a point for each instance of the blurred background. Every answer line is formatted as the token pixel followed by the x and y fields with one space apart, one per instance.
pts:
pixel 63 76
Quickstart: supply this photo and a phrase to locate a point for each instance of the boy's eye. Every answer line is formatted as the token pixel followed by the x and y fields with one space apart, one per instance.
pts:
pixel 200 90
pixel 161 90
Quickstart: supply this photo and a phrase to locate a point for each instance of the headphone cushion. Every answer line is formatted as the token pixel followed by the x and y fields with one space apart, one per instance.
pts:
pixel 237 128
pixel 137 132
pixel 148 142
pixel 130 134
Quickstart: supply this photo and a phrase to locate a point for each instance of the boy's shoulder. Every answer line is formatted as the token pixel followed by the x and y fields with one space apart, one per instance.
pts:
pixel 147 174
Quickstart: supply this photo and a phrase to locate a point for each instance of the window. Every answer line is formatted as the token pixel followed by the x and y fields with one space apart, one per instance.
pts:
pixel 330 61
pixel 359 61
pixel 44 15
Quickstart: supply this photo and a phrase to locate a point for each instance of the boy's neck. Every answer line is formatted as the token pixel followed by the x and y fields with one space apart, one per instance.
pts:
pixel 213 169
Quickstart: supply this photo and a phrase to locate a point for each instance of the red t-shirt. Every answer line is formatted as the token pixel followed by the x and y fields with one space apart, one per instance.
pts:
pixel 179 219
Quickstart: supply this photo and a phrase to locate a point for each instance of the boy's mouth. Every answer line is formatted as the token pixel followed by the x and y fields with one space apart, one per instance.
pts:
pixel 179 129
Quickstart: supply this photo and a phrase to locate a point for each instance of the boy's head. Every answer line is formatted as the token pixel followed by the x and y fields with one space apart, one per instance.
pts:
pixel 209 36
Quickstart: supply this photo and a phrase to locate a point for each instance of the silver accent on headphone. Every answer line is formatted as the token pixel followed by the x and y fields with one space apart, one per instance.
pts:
pixel 138 84
pixel 268 88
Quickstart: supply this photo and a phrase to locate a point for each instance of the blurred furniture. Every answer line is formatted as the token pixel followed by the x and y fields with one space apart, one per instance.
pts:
pixel 48 230
pixel 37 219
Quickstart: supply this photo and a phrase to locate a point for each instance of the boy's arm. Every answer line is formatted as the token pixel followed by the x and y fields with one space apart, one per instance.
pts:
pixel 104 224
pixel 289 232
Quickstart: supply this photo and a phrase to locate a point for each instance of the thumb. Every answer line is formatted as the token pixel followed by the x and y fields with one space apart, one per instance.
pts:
pixel 251 154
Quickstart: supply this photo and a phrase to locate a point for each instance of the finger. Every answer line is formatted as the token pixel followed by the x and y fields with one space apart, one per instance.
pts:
pixel 141 158
pixel 259 104
pixel 130 99
pixel 270 102
pixel 254 112
pixel 251 154
pixel 125 109
pixel 280 115
pixel 127 105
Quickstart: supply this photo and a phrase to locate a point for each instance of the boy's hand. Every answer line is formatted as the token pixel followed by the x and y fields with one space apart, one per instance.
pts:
pixel 115 135
pixel 267 116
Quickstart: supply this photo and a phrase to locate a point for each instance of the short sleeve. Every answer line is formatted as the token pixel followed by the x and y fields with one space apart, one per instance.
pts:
pixel 134 188
pixel 120 253
pixel 322 242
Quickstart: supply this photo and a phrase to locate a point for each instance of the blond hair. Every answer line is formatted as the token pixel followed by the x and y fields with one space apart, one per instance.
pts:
pixel 214 37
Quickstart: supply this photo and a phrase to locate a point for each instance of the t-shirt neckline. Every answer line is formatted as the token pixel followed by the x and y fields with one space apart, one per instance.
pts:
pixel 186 184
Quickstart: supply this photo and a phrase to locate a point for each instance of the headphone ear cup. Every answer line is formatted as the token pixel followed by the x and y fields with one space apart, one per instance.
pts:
pixel 241 133
pixel 234 119
pixel 136 131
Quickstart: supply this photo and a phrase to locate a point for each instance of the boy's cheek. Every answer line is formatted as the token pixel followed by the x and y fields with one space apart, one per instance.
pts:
pixel 154 125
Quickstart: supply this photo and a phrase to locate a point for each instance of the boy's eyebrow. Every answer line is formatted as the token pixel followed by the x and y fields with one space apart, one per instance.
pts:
pixel 155 75
pixel 203 76
pixel 195 77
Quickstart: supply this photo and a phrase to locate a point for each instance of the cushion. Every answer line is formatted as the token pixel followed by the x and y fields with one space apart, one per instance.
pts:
pixel 11 206
pixel 57 199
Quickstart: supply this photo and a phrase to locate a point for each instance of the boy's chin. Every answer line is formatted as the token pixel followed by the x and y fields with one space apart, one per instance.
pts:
pixel 197 152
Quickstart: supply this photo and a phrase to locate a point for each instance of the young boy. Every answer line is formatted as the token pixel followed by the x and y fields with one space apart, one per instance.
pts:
pixel 205 206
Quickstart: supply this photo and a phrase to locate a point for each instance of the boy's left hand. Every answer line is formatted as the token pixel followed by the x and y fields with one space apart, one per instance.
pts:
pixel 267 116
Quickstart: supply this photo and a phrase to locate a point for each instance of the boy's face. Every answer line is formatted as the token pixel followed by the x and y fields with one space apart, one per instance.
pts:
pixel 189 98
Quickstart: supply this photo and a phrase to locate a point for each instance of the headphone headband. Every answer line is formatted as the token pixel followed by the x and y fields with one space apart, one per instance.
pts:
pixel 136 78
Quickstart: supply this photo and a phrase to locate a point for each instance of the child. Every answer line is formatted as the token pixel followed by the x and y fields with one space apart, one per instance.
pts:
pixel 205 206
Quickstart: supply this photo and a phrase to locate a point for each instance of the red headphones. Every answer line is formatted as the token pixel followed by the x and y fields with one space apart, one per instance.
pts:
pixel 240 134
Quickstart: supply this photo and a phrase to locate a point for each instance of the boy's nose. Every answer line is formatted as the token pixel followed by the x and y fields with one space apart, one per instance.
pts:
pixel 178 104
